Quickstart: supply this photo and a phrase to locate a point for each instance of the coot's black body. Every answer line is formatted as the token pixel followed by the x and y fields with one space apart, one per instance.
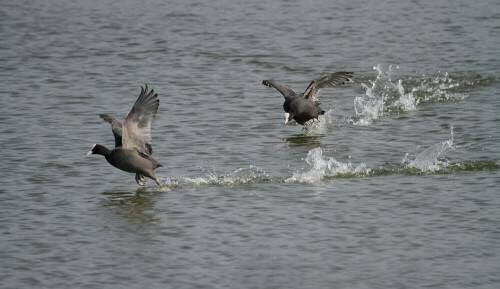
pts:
pixel 133 150
pixel 304 107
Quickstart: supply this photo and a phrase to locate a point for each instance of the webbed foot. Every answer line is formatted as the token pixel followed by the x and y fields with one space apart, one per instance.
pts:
pixel 307 125
pixel 140 179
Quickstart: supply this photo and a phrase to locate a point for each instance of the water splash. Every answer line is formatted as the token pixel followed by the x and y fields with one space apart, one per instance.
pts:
pixel 384 96
pixel 241 176
pixel 439 89
pixel 321 167
pixel 431 159
pixel 427 162
pixel 327 122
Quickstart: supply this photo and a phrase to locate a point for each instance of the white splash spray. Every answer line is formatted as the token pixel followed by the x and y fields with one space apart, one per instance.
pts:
pixel 326 123
pixel 252 174
pixel 384 96
pixel 439 89
pixel 321 167
pixel 431 159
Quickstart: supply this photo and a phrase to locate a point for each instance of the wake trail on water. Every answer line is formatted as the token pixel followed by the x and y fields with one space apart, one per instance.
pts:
pixel 319 168
pixel 241 176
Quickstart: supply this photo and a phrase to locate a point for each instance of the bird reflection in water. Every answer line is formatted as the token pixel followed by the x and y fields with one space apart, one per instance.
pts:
pixel 138 208
pixel 302 140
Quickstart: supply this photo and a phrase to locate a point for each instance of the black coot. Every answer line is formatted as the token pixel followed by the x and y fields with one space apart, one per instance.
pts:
pixel 304 107
pixel 133 150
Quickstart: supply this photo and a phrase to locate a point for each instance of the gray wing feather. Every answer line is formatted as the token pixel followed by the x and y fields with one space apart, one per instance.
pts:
pixel 327 80
pixel 116 128
pixel 285 90
pixel 137 125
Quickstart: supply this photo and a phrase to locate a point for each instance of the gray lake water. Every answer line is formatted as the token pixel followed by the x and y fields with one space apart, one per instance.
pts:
pixel 396 187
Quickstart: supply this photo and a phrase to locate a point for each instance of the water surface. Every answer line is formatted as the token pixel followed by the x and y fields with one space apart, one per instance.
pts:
pixel 396 187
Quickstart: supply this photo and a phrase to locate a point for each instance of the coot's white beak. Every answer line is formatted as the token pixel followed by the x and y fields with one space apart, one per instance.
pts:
pixel 287 116
pixel 90 152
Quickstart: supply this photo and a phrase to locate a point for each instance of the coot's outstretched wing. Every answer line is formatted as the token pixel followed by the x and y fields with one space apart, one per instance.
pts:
pixel 137 125
pixel 327 80
pixel 116 128
pixel 285 90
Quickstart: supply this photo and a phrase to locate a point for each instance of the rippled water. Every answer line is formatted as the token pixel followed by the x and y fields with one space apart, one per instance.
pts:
pixel 396 187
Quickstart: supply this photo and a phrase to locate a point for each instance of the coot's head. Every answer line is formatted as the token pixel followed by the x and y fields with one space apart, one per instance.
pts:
pixel 98 149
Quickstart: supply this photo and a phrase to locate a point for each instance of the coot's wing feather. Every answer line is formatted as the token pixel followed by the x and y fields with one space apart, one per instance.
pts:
pixel 116 128
pixel 327 80
pixel 137 125
pixel 285 90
